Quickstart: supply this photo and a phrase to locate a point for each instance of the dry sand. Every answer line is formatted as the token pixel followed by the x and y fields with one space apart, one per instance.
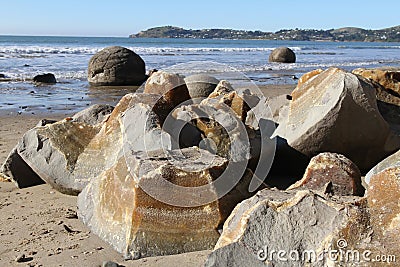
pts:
pixel 41 223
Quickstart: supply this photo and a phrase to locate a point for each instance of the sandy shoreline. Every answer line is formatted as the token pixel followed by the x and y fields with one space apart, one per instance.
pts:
pixel 37 221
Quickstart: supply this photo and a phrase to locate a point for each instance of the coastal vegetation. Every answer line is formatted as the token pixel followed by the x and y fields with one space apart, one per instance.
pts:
pixel 343 34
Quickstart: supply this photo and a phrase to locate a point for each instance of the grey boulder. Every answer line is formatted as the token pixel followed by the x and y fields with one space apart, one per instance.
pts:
pixel 282 55
pixel 116 65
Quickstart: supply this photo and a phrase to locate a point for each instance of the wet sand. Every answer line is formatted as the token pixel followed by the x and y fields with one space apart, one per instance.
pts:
pixel 41 223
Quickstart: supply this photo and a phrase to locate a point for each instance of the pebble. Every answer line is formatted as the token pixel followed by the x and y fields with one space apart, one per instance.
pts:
pixel 110 264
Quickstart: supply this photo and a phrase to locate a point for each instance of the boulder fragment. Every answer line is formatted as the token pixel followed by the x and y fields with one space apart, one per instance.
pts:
pixel 300 223
pixel 332 173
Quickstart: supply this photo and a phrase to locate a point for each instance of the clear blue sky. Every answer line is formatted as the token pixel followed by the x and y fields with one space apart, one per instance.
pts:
pixel 121 18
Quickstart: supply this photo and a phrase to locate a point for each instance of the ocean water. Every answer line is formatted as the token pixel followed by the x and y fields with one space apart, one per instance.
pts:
pixel 23 57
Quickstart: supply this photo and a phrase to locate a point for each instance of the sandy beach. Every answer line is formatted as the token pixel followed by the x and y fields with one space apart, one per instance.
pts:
pixel 41 223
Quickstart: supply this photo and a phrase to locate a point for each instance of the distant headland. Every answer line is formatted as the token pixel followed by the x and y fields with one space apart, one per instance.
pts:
pixel 343 34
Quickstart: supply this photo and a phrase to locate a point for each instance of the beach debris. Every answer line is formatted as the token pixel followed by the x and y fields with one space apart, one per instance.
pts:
pixel 390 162
pixel 333 174
pixel 45 78
pixel 171 86
pixel 200 85
pixel 336 111
pixel 115 66
pixel 141 211
pixel 291 221
pixel 282 55
pixel 23 258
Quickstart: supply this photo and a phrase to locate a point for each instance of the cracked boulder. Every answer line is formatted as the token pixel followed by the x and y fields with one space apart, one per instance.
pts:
pixel 299 223
pixel 169 85
pixel 332 173
pixel 160 202
pixel 68 153
pixel 389 78
pixel 336 111
pixel 114 66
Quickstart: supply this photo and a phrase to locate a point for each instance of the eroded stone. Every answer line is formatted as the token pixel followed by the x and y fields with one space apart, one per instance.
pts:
pixel 332 173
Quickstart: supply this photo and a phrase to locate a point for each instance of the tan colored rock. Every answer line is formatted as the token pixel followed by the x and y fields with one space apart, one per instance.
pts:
pixel 391 161
pixel 308 76
pixel 384 208
pixel 389 78
pixel 337 112
pixel 123 205
pixel 171 86
pixel 332 173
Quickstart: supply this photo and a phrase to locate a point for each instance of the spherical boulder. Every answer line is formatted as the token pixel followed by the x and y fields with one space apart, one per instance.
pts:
pixel 282 55
pixel 116 65
pixel 201 85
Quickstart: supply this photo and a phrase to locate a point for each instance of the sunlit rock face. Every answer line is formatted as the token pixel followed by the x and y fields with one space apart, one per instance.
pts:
pixel 123 204
pixel 384 206
pixel 171 86
pixel 391 161
pixel 332 173
pixel 336 111
pixel 274 220
pixel 389 78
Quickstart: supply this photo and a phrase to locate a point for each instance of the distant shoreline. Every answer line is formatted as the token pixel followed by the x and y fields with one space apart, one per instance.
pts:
pixel 348 34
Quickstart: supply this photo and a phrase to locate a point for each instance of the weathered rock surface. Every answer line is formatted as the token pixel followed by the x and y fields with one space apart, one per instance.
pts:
pixel 275 109
pixel 45 78
pixel 307 76
pixel 384 207
pixel 298 223
pixel 200 85
pixel 171 86
pixel 332 173
pixel 337 112
pixel 67 154
pixel 391 161
pixel 116 65
pixel 389 78
pixel 282 55
pixel 94 114
pixel 123 207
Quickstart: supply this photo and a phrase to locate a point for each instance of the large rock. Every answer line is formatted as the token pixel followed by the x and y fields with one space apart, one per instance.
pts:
pixel 332 173
pixel 384 208
pixel 282 55
pixel 302 224
pixel 125 204
pixel 200 85
pixel 171 86
pixel 336 111
pixel 116 65
pixel 67 154
pixel 389 162
pixel 389 78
